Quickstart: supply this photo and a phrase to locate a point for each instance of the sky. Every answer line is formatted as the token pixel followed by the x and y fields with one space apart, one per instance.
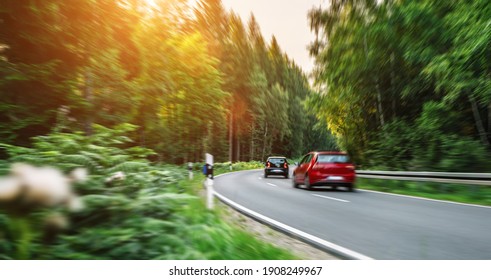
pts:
pixel 286 19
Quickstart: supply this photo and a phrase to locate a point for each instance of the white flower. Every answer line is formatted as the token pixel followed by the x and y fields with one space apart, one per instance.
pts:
pixel 10 188
pixel 41 186
pixel 75 204
pixel 118 176
pixel 46 186
pixel 79 175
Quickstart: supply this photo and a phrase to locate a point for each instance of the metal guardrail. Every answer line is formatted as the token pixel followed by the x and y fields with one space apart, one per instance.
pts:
pixel 440 177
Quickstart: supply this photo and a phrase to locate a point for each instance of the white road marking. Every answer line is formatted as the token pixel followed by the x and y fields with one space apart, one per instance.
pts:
pixel 295 232
pixel 272 184
pixel 328 197
pixel 260 178
pixel 402 195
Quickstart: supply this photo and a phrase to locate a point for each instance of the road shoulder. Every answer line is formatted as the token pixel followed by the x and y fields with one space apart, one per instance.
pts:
pixel 267 234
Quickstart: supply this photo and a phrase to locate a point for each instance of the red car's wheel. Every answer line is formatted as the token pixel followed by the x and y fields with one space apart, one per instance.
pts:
pixel 307 182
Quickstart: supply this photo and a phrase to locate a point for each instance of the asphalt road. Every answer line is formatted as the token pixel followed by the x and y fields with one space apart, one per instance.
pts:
pixel 377 225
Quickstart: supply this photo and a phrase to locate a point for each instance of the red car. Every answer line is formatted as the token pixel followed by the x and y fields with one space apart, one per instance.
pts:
pixel 325 169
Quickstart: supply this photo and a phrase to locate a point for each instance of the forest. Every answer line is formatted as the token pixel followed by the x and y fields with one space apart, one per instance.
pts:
pixel 114 97
pixel 406 85
pixel 192 78
pixel 103 103
pixel 398 84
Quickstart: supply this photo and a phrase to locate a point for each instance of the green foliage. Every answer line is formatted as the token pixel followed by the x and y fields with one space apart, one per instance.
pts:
pixel 106 151
pixel 54 54
pixel 391 151
pixel 453 192
pixel 437 147
pixel 429 144
pixel 462 155
pixel 151 213
pixel 236 166
pixel 404 84
pixel 186 77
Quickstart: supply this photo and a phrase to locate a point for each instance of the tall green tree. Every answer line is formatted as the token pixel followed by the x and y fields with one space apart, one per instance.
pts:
pixel 387 72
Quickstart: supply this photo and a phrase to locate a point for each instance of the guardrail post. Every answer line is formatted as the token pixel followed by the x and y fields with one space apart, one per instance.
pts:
pixel 209 181
pixel 190 169
pixel 209 194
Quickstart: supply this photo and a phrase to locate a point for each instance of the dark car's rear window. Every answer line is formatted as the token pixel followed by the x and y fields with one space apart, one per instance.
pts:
pixel 333 158
pixel 277 160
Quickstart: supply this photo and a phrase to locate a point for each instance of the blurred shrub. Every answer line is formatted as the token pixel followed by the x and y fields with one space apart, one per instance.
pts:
pixel 222 167
pixel 147 211
pixel 391 150
pixel 104 152
pixel 428 145
pixel 436 147
pixel 461 154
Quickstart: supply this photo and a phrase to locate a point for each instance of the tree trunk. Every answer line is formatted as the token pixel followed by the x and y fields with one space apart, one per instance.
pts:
pixel 489 120
pixel 265 139
pixel 141 137
pixel 375 80
pixel 392 85
pixel 237 146
pixel 379 105
pixel 89 98
pixel 478 120
pixel 230 136
pixel 252 143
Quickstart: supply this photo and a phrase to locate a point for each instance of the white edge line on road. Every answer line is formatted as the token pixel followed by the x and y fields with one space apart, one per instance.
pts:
pixel 272 184
pixel 336 248
pixel 328 197
pixel 403 195
pixel 428 199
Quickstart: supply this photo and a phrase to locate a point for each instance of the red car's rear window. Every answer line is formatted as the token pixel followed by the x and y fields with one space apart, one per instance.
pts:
pixel 333 159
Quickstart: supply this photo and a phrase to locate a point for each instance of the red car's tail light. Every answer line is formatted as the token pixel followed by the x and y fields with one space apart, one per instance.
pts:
pixel 352 167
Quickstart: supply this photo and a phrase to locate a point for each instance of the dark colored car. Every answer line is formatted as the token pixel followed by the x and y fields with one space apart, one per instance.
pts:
pixel 325 169
pixel 276 166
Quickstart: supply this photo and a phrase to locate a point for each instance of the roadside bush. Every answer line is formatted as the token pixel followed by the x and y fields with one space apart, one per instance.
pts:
pixel 393 149
pixel 429 144
pixel 222 167
pixel 133 209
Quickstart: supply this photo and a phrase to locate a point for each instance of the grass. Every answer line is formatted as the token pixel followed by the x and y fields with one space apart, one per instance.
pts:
pixel 473 194
pixel 224 241
pixel 154 214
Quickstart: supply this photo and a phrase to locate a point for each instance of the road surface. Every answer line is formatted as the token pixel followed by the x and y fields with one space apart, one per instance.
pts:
pixel 377 225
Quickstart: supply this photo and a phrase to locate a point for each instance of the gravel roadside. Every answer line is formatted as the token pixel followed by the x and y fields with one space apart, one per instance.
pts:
pixel 267 234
